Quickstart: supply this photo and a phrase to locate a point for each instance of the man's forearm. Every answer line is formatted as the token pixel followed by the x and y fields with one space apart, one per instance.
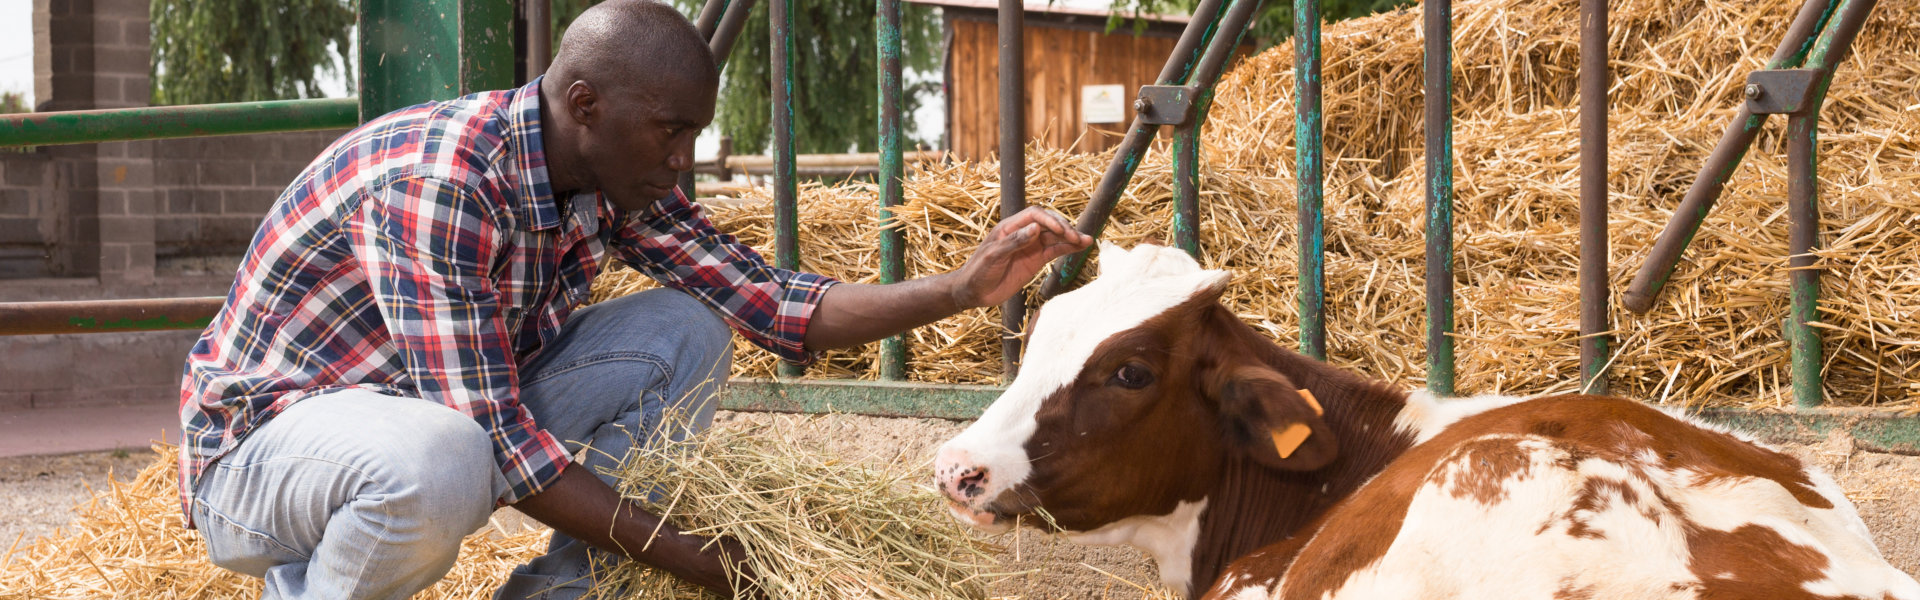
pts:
pixel 582 506
pixel 851 314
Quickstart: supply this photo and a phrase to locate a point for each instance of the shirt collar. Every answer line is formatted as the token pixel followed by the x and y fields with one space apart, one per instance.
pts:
pixel 537 210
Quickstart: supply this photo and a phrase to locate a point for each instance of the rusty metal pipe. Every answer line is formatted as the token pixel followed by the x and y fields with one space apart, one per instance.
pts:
pixel 1595 321
pixel 107 316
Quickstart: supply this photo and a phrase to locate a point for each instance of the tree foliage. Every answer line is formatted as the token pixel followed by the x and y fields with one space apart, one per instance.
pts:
pixel 245 50
pixel 1274 23
pixel 13 102
pixel 836 95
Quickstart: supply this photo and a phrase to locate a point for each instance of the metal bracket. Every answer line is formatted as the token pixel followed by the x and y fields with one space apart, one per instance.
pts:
pixel 1780 91
pixel 1165 104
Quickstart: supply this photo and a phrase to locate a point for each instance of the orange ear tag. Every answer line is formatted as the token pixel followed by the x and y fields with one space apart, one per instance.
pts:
pixel 1314 404
pixel 1288 440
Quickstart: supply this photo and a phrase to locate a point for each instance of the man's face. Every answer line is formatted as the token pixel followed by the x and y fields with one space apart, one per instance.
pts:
pixel 643 139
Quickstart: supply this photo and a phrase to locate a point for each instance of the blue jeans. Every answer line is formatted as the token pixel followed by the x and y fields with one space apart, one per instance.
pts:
pixel 360 495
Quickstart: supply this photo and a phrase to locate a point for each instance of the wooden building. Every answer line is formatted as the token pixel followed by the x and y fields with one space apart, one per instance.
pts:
pixel 1081 79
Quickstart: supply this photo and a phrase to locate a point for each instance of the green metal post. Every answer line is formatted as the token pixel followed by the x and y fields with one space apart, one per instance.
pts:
pixel 1307 161
pixel 414 51
pixel 1439 140
pixel 1186 136
pixel 893 350
pixel 786 190
pixel 1803 207
pixel 152 123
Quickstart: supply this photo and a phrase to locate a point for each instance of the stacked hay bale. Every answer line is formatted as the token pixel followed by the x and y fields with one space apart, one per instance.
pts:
pixel 1714 338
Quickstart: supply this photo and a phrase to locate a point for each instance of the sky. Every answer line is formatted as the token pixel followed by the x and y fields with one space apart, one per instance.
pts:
pixel 16 47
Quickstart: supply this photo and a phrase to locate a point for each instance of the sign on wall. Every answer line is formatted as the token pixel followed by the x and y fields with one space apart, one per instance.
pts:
pixel 1103 104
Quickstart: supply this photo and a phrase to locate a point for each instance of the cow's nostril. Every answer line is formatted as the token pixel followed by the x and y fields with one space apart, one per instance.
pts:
pixel 972 482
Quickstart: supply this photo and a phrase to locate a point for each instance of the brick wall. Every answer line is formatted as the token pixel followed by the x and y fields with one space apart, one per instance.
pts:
pixel 214 191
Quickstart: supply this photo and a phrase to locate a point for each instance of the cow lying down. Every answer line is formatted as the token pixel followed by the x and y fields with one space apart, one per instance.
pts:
pixel 1146 414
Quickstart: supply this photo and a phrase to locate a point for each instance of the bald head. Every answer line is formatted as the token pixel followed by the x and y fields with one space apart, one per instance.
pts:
pixel 623 45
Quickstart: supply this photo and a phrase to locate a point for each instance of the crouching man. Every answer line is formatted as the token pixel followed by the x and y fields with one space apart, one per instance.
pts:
pixel 400 352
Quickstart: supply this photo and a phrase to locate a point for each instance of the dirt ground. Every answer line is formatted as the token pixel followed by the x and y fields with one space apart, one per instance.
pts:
pixel 37 493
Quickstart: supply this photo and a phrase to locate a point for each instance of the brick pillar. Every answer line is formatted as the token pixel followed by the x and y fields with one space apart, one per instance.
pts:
pixel 98 54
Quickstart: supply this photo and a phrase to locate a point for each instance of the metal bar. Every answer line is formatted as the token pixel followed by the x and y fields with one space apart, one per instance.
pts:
pixel 1013 162
pixel 786 191
pixel 1803 207
pixel 1595 321
pixel 107 316
pixel 735 21
pixel 238 118
pixel 409 53
pixel 1870 429
pixel 709 24
pixel 486 46
pixel 539 37
pixel 877 398
pixel 1126 157
pixel 893 249
pixel 1439 147
pixel 1186 136
pixel 1308 168
pixel 1712 178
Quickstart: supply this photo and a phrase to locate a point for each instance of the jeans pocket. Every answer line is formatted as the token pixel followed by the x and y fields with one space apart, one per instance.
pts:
pixel 237 548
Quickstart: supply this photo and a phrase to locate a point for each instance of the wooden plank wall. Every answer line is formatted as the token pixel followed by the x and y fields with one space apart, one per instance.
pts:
pixel 1059 61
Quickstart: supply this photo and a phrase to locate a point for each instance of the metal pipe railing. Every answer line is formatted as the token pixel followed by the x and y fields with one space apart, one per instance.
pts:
pixel 786 191
pixel 1308 154
pixel 1437 63
pixel 163 122
pixel 719 23
pixel 539 37
pixel 1186 135
pixel 107 316
pixel 1803 206
pixel 1013 161
pixel 893 248
pixel 1595 320
pixel 1712 178
pixel 1126 156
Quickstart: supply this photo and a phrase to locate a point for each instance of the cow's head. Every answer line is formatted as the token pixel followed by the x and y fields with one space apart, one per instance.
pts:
pixel 1132 396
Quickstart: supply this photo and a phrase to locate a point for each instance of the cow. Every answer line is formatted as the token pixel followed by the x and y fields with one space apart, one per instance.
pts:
pixel 1147 414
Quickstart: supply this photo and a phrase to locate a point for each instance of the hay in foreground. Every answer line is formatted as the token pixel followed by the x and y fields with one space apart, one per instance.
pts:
pixel 128 542
pixel 814 527
pixel 1678 68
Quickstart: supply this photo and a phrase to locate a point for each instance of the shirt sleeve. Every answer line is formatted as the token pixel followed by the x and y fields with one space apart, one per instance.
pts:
pixel 427 247
pixel 673 242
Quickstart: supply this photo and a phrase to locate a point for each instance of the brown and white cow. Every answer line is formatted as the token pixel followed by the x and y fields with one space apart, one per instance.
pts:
pixel 1147 414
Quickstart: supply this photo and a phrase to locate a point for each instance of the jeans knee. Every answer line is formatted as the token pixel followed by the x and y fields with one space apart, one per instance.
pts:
pixel 442 462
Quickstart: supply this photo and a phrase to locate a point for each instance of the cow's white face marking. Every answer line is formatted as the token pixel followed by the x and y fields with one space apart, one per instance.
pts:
pixel 1168 538
pixel 1134 286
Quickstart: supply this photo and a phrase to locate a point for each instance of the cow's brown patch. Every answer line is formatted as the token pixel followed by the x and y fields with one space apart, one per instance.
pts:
pixel 1597 495
pixel 1752 562
pixel 1570 590
pixel 1480 469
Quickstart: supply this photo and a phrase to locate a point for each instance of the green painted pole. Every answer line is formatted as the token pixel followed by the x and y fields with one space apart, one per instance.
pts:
pixel 1719 167
pixel 486 45
pixel 1186 136
pixel 160 122
pixel 1803 207
pixel 893 257
pixel 1307 166
pixel 1439 139
pixel 107 316
pixel 786 190
pixel 409 52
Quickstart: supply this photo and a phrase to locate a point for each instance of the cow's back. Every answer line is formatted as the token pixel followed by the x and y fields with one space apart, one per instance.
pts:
pixel 1581 497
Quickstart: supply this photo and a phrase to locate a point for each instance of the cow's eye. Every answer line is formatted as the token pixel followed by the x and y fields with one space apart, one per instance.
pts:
pixel 1132 376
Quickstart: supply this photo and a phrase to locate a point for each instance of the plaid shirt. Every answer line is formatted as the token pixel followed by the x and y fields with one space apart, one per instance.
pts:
pixel 424 255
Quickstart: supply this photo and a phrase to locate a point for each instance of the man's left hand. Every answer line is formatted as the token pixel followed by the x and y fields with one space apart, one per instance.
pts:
pixel 1015 251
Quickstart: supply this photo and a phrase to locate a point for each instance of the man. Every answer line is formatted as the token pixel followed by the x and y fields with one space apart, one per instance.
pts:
pixel 399 354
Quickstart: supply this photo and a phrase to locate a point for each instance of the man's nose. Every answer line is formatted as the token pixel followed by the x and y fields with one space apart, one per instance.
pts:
pixel 681 159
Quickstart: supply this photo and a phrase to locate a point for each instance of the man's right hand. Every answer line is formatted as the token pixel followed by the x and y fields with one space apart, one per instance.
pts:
pixel 580 505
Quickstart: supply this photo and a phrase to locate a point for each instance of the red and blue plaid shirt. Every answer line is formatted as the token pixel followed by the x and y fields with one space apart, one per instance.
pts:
pixel 424 255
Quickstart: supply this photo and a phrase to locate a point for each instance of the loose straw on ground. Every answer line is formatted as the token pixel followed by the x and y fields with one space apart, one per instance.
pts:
pixel 1714 338
pixel 814 526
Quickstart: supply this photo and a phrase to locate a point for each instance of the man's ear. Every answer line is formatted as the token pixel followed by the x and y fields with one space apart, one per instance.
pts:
pixel 582 102
pixel 1274 422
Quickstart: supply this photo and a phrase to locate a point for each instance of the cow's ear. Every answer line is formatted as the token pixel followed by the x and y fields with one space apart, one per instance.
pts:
pixel 1276 423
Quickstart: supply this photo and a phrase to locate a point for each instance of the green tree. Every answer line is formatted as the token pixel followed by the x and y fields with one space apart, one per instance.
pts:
pixel 13 102
pixel 1275 22
pixel 208 51
pixel 835 72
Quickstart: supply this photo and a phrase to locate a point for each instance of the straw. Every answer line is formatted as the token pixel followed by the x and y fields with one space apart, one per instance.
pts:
pixel 1714 338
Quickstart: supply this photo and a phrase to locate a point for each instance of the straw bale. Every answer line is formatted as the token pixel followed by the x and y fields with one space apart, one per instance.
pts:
pixel 128 542
pixel 1713 339
pixel 813 526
